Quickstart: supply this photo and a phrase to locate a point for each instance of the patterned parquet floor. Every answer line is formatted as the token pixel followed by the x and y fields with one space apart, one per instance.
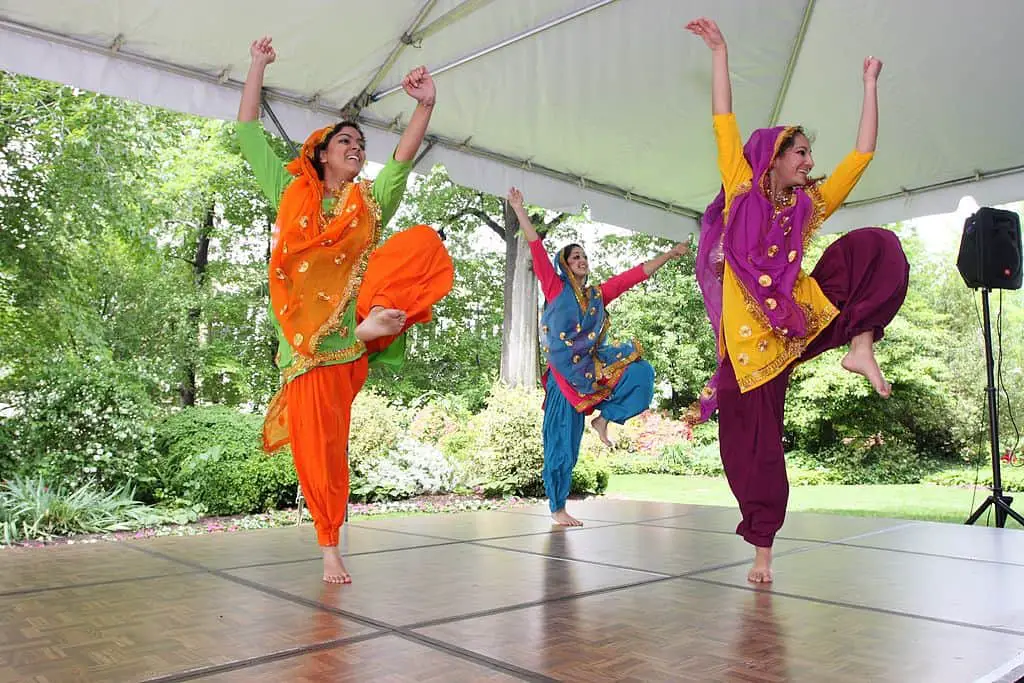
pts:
pixel 642 592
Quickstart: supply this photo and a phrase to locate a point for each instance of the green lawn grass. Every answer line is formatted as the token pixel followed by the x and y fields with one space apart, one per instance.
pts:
pixel 911 501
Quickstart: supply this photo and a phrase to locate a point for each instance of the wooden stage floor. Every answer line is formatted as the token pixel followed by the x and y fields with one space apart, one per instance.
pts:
pixel 643 592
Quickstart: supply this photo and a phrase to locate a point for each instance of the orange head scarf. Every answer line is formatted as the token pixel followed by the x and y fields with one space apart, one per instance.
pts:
pixel 317 260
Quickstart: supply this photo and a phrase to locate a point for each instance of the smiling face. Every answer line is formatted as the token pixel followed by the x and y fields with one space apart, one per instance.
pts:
pixel 579 266
pixel 345 154
pixel 794 162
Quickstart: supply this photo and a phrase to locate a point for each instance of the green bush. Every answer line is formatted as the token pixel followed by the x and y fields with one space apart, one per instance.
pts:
pixel 1012 477
pixel 78 422
pixel 259 483
pixel 375 430
pixel 874 460
pixel 680 458
pixel 213 457
pixel 507 455
pixel 589 477
pixel 435 420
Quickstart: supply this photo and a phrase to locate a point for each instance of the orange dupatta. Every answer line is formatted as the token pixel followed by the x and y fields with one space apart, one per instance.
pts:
pixel 317 262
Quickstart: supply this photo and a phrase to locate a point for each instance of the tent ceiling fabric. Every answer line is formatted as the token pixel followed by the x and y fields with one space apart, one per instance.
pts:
pixel 609 107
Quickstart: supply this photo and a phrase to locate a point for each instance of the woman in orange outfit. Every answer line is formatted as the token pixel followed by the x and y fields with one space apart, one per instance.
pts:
pixel 339 302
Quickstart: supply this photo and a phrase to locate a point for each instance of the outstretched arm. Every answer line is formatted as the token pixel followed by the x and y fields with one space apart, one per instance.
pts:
pixel 263 54
pixel 731 164
pixel 721 88
pixel 847 174
pixel 515 200
pixel 867 135
pixel 420 86
pixel 615 286
pixel 652 266
pixel 550 283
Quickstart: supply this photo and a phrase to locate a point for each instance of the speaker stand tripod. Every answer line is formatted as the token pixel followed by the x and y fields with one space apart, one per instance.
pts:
pixel 997 500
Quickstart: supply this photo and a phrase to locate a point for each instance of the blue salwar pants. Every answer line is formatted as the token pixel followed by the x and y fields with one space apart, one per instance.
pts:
pixel 563 425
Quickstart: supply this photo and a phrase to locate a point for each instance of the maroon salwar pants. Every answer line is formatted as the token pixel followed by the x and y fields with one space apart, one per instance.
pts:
pixel 865 275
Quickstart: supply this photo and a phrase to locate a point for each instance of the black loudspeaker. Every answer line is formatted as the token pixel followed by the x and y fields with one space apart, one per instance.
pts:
pixel 990 250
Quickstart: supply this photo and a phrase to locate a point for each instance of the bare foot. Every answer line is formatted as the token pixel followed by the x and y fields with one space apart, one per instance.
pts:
pixel 381 322
pixel 861 360
pixel 563 518
pixel 334 568
pixel 761 572
pixel 600 426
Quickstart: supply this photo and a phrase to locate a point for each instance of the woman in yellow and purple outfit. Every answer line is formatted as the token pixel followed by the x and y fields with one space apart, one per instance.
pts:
pixel 768 314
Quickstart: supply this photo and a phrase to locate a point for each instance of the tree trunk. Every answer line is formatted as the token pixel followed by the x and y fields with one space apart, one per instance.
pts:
pixel 200 261
pixel 519 340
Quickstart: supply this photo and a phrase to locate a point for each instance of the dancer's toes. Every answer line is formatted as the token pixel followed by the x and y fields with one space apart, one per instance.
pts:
pixel 381 322
pixel 563 518
pixel 761 572
pixel 334 567
pixel 861 360
pixel 600 426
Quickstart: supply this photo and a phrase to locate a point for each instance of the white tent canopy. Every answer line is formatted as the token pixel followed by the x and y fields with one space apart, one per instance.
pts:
pixel 602 102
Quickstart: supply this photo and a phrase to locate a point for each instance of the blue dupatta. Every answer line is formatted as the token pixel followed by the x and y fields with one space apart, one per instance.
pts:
pixel 574 328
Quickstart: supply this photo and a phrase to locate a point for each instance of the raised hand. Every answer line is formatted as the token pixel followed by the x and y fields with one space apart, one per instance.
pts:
pixel 515 198
pixel 708 31
pixel 420 86
pixel 262 51
pixel 680 249
pixel 872 68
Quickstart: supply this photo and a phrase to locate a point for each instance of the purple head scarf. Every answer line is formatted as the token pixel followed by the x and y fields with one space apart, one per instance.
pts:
pixel 763 247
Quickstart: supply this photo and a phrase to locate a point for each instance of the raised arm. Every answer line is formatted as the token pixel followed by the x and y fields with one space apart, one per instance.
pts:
pixel 721 87
pixel 420 86
pixel 837 187
pixel 550 283
pixel 262 53
pixel 652 266
pixel 732 165
pixel 515 200
pixel 867 134
pixel 616 285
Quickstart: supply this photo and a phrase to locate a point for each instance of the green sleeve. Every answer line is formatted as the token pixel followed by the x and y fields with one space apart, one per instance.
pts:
pixel 392 357
pixel 268 168
pixel 389 187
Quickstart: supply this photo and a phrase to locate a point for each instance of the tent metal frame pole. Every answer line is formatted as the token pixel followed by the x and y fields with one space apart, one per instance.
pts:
pixel 504 43
pixel 794 55
pixel 355 105
pixel 278 125
pixel 455 14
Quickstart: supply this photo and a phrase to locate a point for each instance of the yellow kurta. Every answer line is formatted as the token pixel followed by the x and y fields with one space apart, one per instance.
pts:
pixel 757 352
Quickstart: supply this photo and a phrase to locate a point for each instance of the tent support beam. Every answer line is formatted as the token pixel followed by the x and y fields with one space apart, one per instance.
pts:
pixel 504 43
pixel 513 162
pixel 424 152
pixel 455 14
pixel 277 124
pixel 794 54
pixel 945 184
pixel 355 105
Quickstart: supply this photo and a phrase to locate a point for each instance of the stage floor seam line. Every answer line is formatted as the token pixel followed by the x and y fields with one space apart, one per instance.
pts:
pixel 865 608
pixel 260 660
pixel 379 626
pixel 921 553
pixel 93 584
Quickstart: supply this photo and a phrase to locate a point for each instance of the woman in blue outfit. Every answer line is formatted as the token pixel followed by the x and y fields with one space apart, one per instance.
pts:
pixel 585 372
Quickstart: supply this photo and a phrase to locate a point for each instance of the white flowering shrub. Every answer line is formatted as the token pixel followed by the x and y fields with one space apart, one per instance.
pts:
pixel 79 423
pixel 411 468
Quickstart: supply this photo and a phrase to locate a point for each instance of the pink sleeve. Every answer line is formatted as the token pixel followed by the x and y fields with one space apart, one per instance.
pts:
pixel 550 283
pixel 618 284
